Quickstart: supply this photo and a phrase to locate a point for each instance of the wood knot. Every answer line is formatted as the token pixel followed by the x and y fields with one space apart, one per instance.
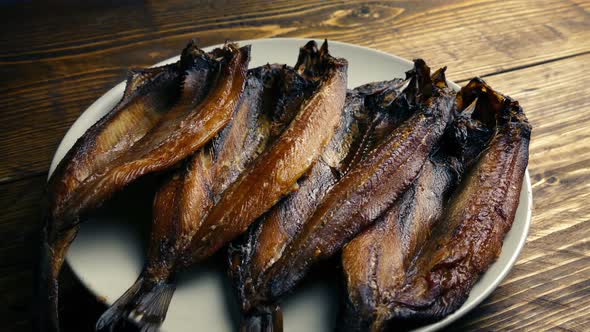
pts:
pixel 552 179
pixel 362 13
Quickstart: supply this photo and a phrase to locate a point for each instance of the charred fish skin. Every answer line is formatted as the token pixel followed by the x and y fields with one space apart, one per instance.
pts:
pixel 148 95
pixel 179 133
pixel 182 199
pixel 391 244
pixel 187 196
pixel 277 170
pixel 182 131
pixel 276 93
pixel 293 89
pixel 281 93
pixel 158 88
pixel 386 114
pixel 481 213
pixel 375 261
pixel 270 91
pixel 249 261
pixel 370 187
pixel 265 241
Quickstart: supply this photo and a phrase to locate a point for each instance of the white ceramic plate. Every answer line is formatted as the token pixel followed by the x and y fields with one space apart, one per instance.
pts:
pixel 107 255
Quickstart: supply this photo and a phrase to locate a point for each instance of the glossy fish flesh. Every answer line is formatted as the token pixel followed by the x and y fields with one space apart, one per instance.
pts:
pixel 157 123
pixel 266 241
pixel 376 263
pixel 366 191
pixel 275 173
pixel 188 194
pixel 272 97
pixel 469 237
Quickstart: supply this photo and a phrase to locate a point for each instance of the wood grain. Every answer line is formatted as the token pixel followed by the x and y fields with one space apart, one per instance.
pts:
pixel 19 202
pixel 59 77
pixel 56 59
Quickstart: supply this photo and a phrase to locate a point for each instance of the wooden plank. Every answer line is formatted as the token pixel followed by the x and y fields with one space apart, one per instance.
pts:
pixel 55 79
pixel 548 287
pixel 19 203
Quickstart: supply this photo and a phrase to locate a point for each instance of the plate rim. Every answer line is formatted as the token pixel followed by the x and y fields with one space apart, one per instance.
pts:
pixel 117 91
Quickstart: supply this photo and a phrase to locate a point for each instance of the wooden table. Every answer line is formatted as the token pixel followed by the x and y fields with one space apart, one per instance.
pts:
pixel 55 60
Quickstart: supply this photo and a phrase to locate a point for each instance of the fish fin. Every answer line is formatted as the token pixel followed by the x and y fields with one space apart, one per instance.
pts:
pixel 420 86
pixel 146 302
pixel 153 306
pixel 54 245
pixel 439 78
pixel 139 79
pixel 264 319
pixel 150 328
pixel 306 54
pixel 119 309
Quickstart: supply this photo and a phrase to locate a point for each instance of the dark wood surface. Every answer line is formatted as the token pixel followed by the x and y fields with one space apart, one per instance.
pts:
pixel 56 59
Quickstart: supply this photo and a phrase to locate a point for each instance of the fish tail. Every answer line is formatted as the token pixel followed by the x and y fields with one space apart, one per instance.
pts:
pixel 53 249
pixel 120 308
pixel 264 319
pixel 46 290
pixel 153 306
pixel 146 301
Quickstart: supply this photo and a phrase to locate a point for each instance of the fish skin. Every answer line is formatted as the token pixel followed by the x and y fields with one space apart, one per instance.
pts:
pixel 265 242
pixel 283 93
pixel 111 136
pixel 272 97
pixel 370 115
pixel 71 189
pixel 274 229
pixel 209 172
pixel 185 198
pixel 181 200
pixel 277 170
pixel 295 208
pixel 179 204
pixel 148 95
pixel 278 95
pixel 370 187
pixel 469 238
pixel 182 130
pixel 376 263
